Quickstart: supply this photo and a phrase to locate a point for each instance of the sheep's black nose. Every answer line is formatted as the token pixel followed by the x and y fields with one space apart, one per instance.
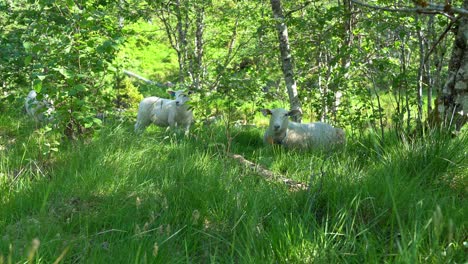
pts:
pixel 276 127
pixel 177 103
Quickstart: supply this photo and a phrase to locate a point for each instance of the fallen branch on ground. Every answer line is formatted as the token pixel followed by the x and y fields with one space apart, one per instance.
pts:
pixel 141 78
pixel 269 175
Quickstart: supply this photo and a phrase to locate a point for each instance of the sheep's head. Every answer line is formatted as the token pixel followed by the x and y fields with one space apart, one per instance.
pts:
pixel 180 96
pixel 279 118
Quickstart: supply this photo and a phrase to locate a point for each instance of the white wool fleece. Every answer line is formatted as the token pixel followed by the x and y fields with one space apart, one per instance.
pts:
pixel 165 112
pixel 296 135
pixel 40 110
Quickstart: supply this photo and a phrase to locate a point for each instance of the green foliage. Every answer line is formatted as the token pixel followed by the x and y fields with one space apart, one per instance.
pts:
pixel 77 57
pixel 148 52
pixel 13 56
pixel 69 58
pixel 128 96
pixel 159 197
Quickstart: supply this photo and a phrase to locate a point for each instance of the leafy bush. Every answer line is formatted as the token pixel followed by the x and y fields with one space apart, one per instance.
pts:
pixel 128 96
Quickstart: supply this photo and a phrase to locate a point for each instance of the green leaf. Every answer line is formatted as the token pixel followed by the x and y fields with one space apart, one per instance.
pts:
pixel 70 3
pixel 27 60
pixel 27 45
pixel 76 89
pixel 66 73
pixel 112 68
pixel 37 86
pixel 47 128
pixel 79 102
pixel 97 121
pixel 67 49
pixel 79 88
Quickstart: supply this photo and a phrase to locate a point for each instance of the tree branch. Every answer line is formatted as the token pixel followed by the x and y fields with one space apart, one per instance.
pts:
pixel 450 9
pixel 441 38
pixel 132 74
pixel 430 9
pixel 269 175
pixel 298 8
pixel 167 26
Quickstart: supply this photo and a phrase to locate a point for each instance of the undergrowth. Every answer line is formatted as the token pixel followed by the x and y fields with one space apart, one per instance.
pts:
pixel 166 198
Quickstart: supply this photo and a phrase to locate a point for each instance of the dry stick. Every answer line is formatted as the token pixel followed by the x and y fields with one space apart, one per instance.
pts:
pixel 267 174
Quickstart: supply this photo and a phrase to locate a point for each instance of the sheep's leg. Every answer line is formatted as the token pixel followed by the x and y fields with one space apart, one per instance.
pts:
pixel 187 128
pixel 171 120
pixel 141 125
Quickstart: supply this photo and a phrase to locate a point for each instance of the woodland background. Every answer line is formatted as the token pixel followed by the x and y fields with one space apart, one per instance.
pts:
pixel 85 188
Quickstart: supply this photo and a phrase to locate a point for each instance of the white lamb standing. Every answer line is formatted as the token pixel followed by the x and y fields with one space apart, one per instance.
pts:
pixel 165 112
pixel 39 110
pixel 317 135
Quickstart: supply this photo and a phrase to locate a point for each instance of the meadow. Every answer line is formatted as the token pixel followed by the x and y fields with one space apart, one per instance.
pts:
pixel 86 190
pixel 162 197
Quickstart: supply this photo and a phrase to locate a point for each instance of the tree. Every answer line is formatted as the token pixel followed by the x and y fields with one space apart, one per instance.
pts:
pixel 452 99
pixel 184 23
pixel 286 57
pixel 69 57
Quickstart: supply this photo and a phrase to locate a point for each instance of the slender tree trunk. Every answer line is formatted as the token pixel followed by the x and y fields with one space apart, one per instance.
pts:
pixel 200 27
pixel 420 83
pixel 435 81
pixel 379 105
pixel 286 57
pixel 429 77
pixel 406 89
pixel 327 101
pixel 348 39
pixel 403 93
pixel 453 99
pixel 398 92
pixel 179 29
pixel 182 42
pixel 321 86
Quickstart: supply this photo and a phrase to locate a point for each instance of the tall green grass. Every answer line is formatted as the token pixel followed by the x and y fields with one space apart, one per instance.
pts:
pixel 165 198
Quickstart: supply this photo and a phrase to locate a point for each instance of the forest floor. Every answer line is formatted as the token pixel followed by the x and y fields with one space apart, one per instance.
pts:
pixel 166 198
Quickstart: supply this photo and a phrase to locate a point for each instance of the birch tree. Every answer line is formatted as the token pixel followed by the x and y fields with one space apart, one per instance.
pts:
pixel 452 99
pixel 286 57
pixel 185 35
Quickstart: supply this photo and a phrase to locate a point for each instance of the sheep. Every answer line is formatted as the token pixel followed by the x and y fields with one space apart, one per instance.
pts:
pixel 165 112
pixel 290 134
pixel 40 110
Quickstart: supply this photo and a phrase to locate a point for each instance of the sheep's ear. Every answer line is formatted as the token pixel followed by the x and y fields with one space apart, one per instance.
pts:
pixel 172 93
pixel 294 112
pixel 190 92
pixel 266 112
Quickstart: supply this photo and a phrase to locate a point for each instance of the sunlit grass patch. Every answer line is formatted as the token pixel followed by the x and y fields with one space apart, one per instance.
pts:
pixel 163 197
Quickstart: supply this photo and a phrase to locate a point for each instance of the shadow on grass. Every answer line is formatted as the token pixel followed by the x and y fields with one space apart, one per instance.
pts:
pixel 160 197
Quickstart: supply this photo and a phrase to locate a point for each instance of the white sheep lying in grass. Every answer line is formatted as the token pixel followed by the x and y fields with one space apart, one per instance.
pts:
pixel 165 112
pixel 290 134
pixel 40 110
